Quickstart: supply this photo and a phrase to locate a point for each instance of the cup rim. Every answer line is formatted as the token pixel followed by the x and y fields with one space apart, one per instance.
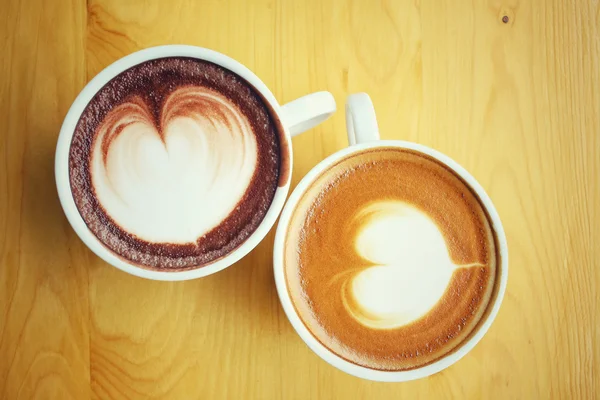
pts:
pixel 305 334
pixel 61 162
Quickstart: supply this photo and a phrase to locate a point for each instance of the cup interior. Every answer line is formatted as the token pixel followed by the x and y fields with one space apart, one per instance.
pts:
pixel 87 94
pixel 324 352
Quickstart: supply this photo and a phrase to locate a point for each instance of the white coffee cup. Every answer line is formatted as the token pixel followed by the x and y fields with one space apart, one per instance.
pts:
pixel 363 134
pixel 296 117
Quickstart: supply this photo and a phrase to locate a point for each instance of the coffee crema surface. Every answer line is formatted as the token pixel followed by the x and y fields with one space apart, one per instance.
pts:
pixel 174 163
pixel 390 259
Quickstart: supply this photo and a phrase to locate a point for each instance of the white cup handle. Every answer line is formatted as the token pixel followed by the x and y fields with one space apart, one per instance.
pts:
pixel 307 112
pixel 361 122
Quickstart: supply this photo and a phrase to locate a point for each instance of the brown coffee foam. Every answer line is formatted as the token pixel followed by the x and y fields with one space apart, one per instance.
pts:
pixel 319 248
pixel 151 83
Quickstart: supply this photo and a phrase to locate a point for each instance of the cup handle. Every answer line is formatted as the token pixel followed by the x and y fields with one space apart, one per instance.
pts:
pixel 361 122
pixel 307 112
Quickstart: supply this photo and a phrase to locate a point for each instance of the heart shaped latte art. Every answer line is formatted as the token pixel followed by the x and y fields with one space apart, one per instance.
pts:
pixel 175 180
pixel 411 266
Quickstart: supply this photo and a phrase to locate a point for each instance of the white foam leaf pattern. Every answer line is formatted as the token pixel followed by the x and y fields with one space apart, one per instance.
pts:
pixel 412 266
pixel 173 184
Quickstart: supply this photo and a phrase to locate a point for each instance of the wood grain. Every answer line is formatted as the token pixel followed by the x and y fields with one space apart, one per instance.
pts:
pixel 516 103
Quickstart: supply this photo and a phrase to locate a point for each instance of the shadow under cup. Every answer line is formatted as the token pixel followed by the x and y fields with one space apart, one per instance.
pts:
pixel 354 277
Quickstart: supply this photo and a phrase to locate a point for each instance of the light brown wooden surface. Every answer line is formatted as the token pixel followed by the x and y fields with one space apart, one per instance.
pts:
pixel 517 103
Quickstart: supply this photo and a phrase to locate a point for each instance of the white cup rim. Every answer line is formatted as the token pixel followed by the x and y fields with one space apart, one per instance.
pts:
pixel 68 128
pixel 304 332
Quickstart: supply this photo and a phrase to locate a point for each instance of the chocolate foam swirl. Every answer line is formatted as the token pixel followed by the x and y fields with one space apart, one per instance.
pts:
pixel 175 162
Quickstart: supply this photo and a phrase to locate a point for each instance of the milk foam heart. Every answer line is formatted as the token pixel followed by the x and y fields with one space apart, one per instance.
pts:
pixel 174 182
pixel 411 266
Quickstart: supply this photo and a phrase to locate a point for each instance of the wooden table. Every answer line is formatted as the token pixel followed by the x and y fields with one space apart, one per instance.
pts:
pixel 508 88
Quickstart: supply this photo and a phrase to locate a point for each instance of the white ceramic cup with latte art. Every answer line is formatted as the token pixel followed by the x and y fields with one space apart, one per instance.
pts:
pixel 294 118
pixel 363 134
